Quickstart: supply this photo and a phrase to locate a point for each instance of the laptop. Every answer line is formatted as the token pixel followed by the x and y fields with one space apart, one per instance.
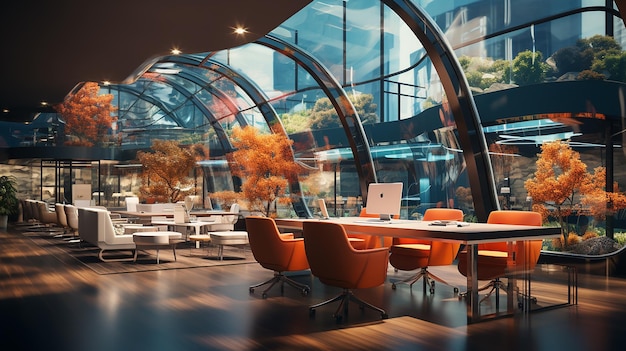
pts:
pixel 384 199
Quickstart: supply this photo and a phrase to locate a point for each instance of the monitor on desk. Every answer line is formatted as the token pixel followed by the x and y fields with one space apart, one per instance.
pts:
pixel 384 199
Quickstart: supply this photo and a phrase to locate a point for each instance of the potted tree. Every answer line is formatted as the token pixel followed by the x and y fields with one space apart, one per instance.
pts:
pixel 8 199
pixel 265 162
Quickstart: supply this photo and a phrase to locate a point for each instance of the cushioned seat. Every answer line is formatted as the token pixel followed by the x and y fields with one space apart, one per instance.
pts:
pixel 493 258
pixel 411 254
pixel 279 252
pixel 221 239
pixel 334 261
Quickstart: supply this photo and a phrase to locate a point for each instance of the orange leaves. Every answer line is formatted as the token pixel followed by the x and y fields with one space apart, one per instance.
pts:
pixel 166 170
pixel 266 163
pixel 559 176
pixel 562 186
pixel 87 116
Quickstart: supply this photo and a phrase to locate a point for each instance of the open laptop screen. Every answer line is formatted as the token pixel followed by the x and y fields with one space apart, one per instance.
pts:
pixel 384 199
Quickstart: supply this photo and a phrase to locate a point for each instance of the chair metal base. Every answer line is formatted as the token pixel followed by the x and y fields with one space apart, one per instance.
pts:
pixel 279 277
pixel 344 299
pixel 429 279
pixel 496 285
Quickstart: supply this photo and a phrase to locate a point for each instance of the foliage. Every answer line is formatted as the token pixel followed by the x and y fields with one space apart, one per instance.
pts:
pixel 590 75
pixel 614 65
pixel 599 46
pixel 529 68
pixel 561 186
pixel 572 59
pixel 482 73
pixel 8 195
pixel 88 116
pixel 226 198
pixel 166 170
pixel 265 162
pixel 620 238
pixel 324 115
pixel 597 57
pixel 295 122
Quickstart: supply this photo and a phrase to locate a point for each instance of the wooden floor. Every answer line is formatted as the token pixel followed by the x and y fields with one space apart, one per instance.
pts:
pixel 49 302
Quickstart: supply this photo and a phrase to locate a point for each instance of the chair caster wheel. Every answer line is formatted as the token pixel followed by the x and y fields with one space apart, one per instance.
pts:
pixel 456 290
pixel 384 315
pixel 393 286
pixel 432 290
pixel 264 295
pixel 305 292
pixel 251 290
pixel 311 312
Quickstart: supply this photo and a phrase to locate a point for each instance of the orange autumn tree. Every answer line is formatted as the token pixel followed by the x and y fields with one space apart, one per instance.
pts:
pixel 561 186
pixel 167 169
pixel 603 203
pixel 88 116
pixel 265 162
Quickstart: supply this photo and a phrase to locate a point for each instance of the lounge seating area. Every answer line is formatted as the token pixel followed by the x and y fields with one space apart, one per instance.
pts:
pixel 120 238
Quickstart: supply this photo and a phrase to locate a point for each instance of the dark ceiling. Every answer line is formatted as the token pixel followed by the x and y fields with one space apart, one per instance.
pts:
pixel 48 47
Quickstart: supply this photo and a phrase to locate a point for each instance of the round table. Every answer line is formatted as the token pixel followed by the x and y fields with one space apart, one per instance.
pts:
pixel 156 240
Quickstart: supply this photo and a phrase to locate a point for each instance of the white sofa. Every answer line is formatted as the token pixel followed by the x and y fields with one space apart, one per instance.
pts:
pixel 96 227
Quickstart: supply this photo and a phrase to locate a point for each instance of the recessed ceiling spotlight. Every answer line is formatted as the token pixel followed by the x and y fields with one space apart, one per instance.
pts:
pixel 5 110
pixel 106 82
pixel 44 103
pixel 240 30
pixel 175 51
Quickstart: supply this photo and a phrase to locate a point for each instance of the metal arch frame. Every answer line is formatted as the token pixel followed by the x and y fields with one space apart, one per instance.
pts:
pixel 170 111
pixel 232 107
pixel 345 109
pixel 253 91
pixel 462 105
pixel 267 111
pixel 258 98
pixel 129 90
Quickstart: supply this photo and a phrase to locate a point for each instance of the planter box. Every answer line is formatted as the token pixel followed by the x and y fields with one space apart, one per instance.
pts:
pixel 613 264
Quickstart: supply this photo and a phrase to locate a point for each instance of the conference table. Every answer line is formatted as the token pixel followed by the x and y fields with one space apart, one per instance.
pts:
pixel 470 234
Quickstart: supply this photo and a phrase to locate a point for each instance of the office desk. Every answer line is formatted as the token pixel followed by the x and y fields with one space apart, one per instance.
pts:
pixel 470 235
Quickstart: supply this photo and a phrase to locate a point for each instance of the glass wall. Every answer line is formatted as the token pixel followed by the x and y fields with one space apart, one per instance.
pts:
pixel 515 58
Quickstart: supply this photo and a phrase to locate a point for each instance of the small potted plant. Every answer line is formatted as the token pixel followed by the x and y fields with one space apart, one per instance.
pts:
pixel 8 199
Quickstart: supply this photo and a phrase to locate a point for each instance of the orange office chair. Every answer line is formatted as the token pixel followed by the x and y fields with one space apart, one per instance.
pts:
pixel 276 251
pixel 335 262
pixel 493 258
pixel 410 254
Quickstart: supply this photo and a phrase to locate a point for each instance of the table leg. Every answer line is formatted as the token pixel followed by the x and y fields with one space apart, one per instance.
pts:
pixel 473 307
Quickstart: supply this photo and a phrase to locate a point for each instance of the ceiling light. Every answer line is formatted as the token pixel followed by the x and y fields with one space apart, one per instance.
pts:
pixel 175 51
pixel 240 30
